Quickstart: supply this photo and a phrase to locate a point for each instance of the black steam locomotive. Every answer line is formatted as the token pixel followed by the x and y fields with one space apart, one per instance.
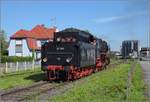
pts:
pixel 73 54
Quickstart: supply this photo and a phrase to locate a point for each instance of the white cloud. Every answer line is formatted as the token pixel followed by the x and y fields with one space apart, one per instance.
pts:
pixel 116 18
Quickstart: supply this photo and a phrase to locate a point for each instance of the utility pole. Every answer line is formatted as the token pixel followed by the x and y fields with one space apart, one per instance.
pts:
pixel 148 55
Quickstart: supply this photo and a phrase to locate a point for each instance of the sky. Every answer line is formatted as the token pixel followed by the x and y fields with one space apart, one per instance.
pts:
pixel 111 20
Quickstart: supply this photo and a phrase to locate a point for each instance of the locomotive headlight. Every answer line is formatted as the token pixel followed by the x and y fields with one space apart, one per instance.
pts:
pixel 44 59
pixel 58 39
pixel 68 60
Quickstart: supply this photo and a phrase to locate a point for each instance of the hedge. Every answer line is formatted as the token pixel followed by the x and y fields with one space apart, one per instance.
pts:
pixel 15 59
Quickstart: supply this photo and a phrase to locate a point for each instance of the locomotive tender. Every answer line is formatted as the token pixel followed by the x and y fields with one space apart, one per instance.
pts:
pixel 73 54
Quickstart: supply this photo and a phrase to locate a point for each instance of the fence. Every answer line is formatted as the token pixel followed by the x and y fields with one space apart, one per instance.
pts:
pixel 18 66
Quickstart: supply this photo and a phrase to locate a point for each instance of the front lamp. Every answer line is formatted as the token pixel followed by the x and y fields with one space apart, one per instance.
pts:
pixel 44 59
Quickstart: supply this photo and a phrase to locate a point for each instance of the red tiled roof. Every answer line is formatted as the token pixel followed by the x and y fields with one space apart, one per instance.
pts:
pixel 21 34
pixel 32 43
pixel 39 32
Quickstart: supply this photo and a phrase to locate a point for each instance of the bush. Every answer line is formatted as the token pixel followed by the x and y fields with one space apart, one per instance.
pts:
pixel 4 53
pixel 15 59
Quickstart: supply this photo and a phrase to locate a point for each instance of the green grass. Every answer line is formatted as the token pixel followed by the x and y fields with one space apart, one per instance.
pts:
pixel 107 86
pixel 21 78
pixel 137 87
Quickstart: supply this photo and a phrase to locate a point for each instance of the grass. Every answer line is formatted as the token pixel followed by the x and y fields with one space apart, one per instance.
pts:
pixel 137 87
pixel 21 78
pixel 106 86
pixel 109 85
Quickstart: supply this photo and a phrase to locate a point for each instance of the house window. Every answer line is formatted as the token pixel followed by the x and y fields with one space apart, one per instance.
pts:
pixel 18 47
pixel 18 42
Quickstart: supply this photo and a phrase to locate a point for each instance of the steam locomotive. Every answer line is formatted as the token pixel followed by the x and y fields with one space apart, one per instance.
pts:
pixel 73 54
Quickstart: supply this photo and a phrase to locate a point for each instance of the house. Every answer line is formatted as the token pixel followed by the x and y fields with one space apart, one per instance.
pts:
pixel 25 42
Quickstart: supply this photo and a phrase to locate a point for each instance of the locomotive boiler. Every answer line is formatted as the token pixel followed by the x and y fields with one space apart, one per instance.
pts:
pixel 73 54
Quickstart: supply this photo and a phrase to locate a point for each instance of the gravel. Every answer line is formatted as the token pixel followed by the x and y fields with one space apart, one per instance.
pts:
pixel 146 75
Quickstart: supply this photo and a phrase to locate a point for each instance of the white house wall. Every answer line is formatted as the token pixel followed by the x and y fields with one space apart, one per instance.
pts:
pixel 11 48
pixel 25 49
pixel 38 43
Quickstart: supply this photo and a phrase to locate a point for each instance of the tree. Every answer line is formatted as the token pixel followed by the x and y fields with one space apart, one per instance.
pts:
pixel 3 43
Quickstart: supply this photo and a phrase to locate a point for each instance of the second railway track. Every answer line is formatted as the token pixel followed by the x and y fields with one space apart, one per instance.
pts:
pixel 21 94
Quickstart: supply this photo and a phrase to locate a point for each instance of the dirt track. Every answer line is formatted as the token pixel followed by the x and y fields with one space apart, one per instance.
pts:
pixel 146 75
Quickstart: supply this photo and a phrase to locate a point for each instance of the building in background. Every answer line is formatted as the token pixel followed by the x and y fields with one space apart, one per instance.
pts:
pixel 27 42
pixel 130 49
pixel 145 53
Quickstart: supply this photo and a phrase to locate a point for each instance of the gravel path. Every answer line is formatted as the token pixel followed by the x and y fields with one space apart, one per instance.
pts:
pixel 146 75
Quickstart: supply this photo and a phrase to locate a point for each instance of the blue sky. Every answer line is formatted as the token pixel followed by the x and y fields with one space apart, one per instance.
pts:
pixel 111 20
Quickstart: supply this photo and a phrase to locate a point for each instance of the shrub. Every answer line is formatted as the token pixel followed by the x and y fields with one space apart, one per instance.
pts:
pixel 15 59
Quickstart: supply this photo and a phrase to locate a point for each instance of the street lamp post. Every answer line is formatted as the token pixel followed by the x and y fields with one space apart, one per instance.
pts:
pixel 148 47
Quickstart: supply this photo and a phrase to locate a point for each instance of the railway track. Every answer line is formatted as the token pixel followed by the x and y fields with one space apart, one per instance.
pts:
pixel 21 94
